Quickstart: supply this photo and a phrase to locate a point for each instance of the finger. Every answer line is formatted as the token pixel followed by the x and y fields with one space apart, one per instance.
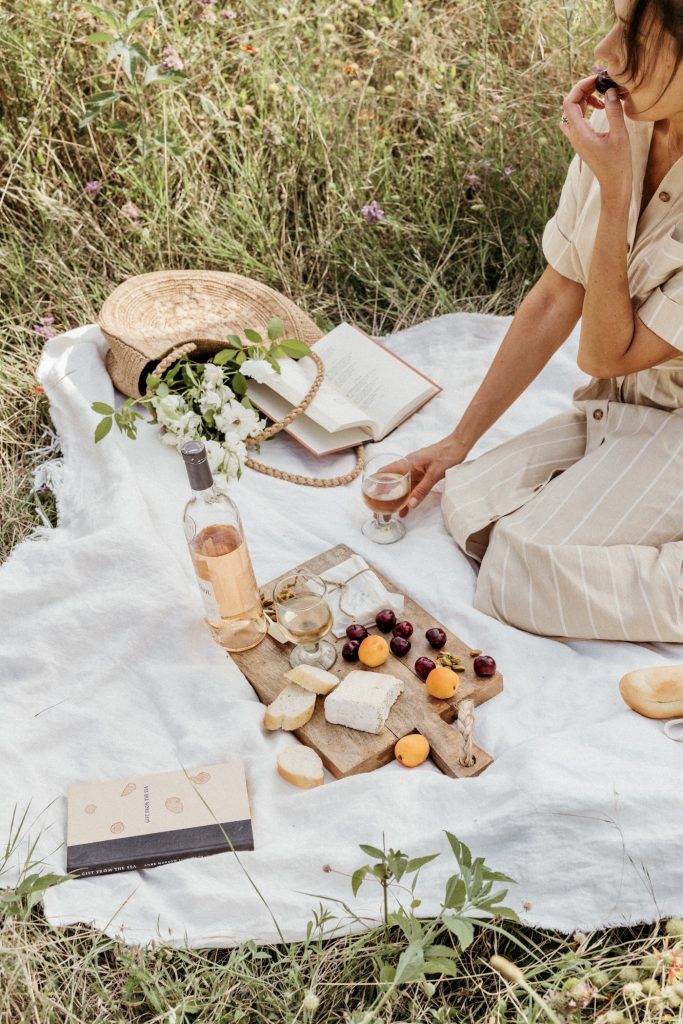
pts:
pixel 614 111
pixel 576 123
pixel 593 101
pixel 418 493
pixel 582 90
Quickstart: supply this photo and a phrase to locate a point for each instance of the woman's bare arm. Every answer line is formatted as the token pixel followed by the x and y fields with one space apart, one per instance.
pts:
pixel 542 323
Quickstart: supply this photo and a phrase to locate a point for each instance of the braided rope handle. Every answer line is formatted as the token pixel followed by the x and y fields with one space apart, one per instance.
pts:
pixel 277 426
pixel 466 726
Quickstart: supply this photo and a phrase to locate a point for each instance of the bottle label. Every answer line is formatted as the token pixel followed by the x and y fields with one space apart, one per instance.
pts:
pixel 211 608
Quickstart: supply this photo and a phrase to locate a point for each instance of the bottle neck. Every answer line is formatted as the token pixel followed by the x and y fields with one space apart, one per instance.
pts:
pixel 205 493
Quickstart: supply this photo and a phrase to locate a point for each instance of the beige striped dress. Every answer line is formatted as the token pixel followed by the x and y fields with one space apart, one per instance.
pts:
pixel 578 522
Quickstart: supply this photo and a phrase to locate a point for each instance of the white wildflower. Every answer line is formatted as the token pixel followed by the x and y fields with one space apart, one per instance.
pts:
pixel 310 1002
pixel 170 409
pixel 235 418
pixel 215 453
pixel 258 369
pixel 214 397
pixel 213 375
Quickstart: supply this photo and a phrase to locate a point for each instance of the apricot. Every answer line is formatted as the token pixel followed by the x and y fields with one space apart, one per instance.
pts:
pixel 442 682
pixel 411 750
pixel 373 651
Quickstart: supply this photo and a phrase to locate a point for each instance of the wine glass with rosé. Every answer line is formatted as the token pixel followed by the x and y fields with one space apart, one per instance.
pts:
pixel 385 486
pixel 305 616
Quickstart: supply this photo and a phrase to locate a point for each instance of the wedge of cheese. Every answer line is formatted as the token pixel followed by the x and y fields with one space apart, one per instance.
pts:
pixel 312 678
pixel 363 700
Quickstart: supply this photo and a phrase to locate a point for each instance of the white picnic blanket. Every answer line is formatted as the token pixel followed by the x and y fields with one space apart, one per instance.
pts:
pixel 107 669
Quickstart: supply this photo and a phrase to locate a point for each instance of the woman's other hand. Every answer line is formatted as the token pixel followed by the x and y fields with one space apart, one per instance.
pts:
pixel 608 154
pixel 429 465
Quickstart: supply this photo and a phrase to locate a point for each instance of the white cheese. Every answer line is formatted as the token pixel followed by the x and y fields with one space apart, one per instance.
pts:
pixel 363 700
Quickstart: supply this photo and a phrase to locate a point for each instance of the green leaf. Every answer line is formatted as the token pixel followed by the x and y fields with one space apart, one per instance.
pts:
pixel 461 851
pixel 100 37
pixel 102 408
pixel 153 381
pixel 418 862
pixel 253 336
pixel 224 356
pixel 357 879
pixel 103 15
pixel 162 390
pixel 235 340
pixel 103 428
pixel 441 951
pixel 141 52
pixel 240 357
pixel 136 18
pixel 456 893
pixel 295 348
pixel 410 966
pixel 461 928
pixel 238 384
pixel 276 328
pixel 103 99
pixel 436 965
pixel 507 912
pixel 208 106
pixel 372 851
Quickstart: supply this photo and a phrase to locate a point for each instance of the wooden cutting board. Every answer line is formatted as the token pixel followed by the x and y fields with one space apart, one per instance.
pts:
pixel 347 751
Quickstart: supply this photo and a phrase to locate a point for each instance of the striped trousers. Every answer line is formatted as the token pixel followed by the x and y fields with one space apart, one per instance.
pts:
pixel 578 524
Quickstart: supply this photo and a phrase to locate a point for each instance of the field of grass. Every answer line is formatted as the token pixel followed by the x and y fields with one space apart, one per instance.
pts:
pixel 254 149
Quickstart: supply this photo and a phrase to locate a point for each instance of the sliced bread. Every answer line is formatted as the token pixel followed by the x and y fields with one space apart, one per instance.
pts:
pixel 301 766
pixel 312 678
pixel 291 709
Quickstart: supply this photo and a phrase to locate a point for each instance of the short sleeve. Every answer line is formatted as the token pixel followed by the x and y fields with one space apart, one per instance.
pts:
pixel 556 242
pixel 662 310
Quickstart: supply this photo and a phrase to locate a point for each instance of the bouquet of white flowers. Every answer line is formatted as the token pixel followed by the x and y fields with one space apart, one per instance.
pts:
pixel 207 401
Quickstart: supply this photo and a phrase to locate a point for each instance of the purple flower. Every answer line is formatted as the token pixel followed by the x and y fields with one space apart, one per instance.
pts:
pixel 170 60
pixel 130 211
pixel 486 166
pixel 474 180
pixel 45 328
pixel 507 171
pixel 92 187
pixel 372 212
pixel 227 13
pixel 597 68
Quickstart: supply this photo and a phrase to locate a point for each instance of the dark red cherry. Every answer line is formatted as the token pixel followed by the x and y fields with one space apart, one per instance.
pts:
pixel 399 646
pixel 350 650
pixel 404 629
pixel 386 620
pixel 423 666
pixel 436 638
pixel 484 665
pixel 356 632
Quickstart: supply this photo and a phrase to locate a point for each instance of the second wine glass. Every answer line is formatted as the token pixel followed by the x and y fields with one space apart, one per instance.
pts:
pixel 305 616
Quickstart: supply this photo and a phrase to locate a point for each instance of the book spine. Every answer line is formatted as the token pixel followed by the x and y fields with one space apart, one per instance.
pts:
pixel 136 865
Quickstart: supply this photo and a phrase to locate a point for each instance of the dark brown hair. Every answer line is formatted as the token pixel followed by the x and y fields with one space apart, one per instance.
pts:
pixel 658 18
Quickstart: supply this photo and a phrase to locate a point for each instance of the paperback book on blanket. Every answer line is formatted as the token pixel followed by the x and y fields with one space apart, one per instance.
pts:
pixel 367 391
pixel 144 820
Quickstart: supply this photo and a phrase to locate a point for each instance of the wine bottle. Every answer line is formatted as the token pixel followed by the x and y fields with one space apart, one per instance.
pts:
pixel 220 556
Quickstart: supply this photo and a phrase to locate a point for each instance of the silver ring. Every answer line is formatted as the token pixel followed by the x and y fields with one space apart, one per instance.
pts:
pixel 564 119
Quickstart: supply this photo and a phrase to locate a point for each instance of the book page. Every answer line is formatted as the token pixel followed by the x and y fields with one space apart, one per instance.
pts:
pixel 372 378
pixel 309 433
pixel 330 407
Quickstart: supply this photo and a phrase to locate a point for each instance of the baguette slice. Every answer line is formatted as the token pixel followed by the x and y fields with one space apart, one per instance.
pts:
pixel 291 709
pixel 301 766
pixel 312 678
pixel 656 692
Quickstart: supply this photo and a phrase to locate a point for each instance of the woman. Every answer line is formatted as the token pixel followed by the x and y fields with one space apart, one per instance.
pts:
pixel 578 523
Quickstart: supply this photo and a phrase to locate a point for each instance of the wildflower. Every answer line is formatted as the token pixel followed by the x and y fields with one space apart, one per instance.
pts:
pixel 350 69
pixel 310 1002
pixel 37 390
pixel 486 166
pixel 372 212
pixel 507 171
pixel 213 374
pixel 473 186
pixel 170 60
pixel 249 110
pixel 92 187
pixel 228 13
pixel 258 369
pixel 235 420
pixel 45 328
pixel 131 212
pixel 248 48
pixel 632 990
pixel 204 12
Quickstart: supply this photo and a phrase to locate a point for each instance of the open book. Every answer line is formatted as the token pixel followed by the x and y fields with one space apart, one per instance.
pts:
pixel 366 392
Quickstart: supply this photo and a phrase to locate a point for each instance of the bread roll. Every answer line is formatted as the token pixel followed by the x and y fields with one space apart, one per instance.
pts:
pixel 312 678
pixel 655 692
pixel 291 709
pixel 301 766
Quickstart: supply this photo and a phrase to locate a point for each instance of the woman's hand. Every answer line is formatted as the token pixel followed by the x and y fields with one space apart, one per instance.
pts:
pixel 429 465
pixel 608 154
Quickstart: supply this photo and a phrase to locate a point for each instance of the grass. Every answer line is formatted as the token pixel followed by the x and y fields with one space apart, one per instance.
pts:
pixel 290 118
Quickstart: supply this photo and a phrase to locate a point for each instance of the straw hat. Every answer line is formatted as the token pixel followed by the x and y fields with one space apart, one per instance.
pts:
pixel 168 313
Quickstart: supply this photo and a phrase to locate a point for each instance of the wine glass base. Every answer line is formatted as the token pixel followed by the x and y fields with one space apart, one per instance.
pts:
pixel 324 658
pixel 387 533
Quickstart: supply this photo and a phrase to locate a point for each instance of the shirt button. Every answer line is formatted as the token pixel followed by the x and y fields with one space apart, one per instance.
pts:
pixel 598 414
pixel 665 196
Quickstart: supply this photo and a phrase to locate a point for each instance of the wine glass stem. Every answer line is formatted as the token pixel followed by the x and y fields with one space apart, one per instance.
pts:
pixel 383 518
pixel 312 648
